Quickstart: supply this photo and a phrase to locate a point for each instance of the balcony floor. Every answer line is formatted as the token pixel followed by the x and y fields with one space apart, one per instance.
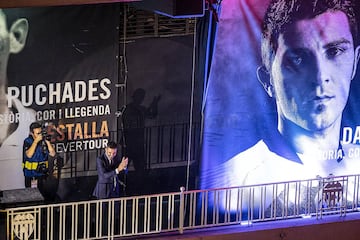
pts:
pixel 329 227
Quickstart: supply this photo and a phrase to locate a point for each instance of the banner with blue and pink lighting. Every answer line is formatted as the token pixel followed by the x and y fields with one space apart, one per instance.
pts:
pixel 282 98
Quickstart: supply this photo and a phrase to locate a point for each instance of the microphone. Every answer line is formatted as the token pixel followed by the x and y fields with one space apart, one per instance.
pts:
pixel 125 168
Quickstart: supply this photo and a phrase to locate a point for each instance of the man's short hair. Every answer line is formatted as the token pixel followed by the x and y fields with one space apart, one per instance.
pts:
pixel 280 13
pixel 34 125
pixel 111 144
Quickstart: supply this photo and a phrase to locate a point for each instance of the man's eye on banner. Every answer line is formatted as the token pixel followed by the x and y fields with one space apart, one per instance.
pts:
pixel 282 95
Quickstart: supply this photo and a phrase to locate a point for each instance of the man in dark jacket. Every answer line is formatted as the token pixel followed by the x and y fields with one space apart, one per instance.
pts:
pixel 109 165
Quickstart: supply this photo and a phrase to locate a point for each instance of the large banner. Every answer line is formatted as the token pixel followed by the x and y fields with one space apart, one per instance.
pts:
pixel 282 100
pixel 58 66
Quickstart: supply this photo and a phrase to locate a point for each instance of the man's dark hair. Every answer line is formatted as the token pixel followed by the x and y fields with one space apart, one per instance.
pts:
pixel 112 145
pixel 34 125
pixel 280 13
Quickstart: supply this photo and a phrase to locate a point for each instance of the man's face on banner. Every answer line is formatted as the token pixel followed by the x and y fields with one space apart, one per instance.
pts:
pixel 312 69
pixel 4 42
pixel 12 40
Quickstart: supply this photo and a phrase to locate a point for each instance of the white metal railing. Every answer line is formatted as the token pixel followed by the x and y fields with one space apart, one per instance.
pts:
pixel 184 210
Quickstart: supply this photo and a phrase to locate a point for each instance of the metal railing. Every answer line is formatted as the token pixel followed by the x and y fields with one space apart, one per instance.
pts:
pixel 137 23
pixel 185 210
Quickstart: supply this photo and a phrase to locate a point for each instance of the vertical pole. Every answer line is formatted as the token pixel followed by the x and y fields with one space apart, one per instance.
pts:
pixel 182 210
